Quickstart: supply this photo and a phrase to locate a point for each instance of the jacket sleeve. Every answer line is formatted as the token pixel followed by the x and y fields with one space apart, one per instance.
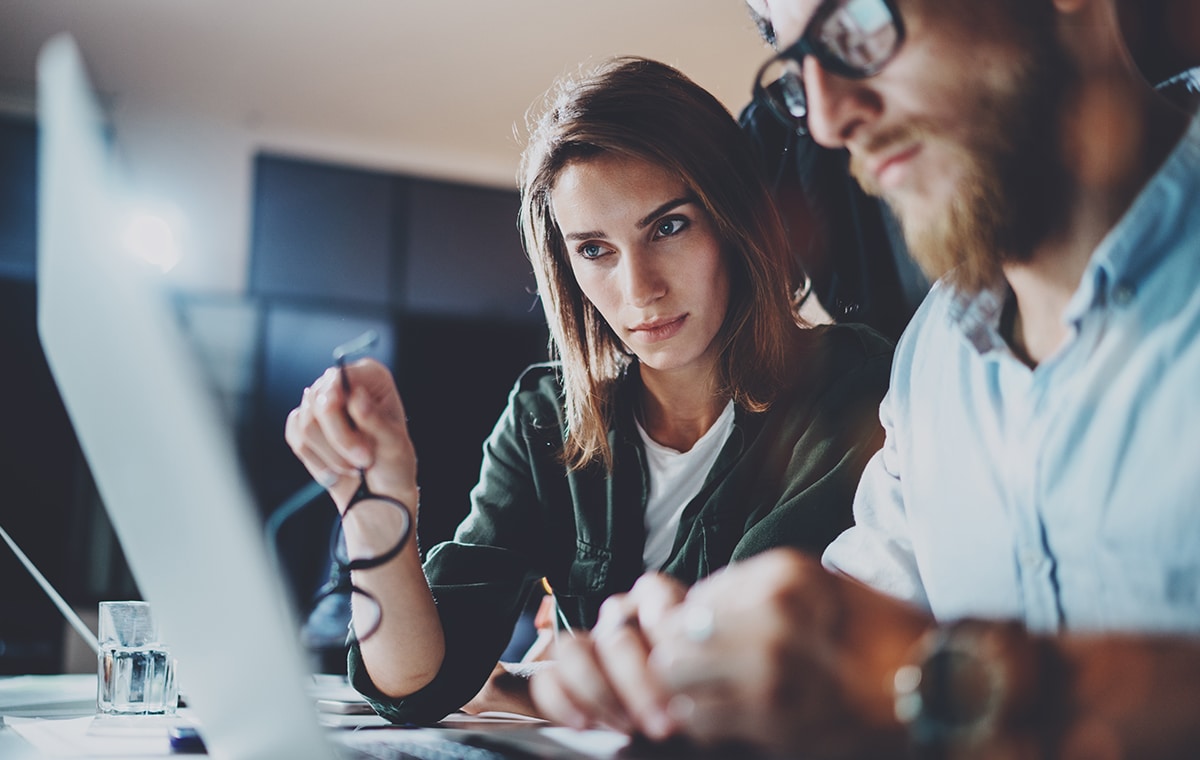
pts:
pixel 829 435
pixel 479 579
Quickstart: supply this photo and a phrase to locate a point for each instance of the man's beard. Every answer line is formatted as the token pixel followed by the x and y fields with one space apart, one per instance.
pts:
pixel 1013 187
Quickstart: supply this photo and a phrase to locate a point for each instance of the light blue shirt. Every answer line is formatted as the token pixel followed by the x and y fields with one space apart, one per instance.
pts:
pixel 1066 496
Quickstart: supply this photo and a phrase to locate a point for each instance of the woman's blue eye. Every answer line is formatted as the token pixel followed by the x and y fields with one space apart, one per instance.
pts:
pixel 590 251
pixel 668 227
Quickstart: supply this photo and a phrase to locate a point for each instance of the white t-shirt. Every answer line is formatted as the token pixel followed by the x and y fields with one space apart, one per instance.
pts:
pixel 675 479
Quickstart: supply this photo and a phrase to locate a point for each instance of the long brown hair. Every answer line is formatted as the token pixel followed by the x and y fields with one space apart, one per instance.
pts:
pixel 648 110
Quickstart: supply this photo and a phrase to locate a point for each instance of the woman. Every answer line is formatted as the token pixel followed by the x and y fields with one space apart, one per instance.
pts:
pixel 691 419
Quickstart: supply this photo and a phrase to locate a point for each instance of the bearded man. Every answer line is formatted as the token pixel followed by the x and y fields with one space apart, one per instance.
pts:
pixel 1023 578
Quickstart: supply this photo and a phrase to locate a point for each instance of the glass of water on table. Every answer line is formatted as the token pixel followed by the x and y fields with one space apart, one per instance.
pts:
pixel 135 668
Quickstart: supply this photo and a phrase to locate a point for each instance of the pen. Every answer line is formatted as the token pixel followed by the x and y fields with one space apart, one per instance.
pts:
pixel 560 618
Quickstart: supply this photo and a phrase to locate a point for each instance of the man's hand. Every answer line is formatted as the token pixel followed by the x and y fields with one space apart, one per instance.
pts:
pixel 777 652
pixel 602 678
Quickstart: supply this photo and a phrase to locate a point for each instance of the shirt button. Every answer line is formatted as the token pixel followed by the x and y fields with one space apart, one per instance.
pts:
pixel 1122 294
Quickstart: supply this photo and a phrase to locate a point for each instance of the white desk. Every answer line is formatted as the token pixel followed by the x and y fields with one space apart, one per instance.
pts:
pixel 54 716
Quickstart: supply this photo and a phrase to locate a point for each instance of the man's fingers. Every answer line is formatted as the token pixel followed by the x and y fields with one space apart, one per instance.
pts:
pixel 680 665
pixel 623 652
pixel 714 715
pixel 554 702
pixel 583 679
pixel 652 599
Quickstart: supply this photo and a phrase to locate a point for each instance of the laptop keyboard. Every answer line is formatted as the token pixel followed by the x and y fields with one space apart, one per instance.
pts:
pixel 400 745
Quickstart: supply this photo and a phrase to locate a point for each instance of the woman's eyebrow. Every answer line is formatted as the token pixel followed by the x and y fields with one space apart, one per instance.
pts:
pixel 664 208
pixel 585 235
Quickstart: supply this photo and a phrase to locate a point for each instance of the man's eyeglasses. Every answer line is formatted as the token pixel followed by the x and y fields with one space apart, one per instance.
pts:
pixel 849 38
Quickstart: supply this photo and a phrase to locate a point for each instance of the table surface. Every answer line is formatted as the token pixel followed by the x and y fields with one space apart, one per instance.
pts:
pixel 58 713
pixel 55 715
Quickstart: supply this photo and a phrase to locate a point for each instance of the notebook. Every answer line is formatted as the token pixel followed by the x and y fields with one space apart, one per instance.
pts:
pixel 164 460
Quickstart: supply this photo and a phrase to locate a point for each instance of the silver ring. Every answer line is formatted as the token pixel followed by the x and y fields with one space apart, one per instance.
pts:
pixel 698 623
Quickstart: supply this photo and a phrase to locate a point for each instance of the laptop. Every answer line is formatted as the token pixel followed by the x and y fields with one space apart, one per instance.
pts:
pixel 163 456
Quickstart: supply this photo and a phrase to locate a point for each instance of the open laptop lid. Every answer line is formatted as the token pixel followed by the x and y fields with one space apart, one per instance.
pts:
pixel 158 443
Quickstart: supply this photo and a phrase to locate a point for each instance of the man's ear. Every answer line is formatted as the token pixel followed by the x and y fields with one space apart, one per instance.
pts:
pixel 1073 6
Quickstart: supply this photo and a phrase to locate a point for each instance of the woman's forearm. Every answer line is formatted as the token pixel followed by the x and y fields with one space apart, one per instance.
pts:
pixel 405 653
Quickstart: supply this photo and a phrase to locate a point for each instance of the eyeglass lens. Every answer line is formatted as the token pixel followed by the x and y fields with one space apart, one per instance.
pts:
pixel 858 33
pixel 382 526
pixel 853 38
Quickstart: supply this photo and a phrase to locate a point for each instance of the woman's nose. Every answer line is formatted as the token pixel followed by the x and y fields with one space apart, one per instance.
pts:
pixel 641 278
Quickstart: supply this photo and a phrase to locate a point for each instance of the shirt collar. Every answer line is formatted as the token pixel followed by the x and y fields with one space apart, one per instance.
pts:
pixel 978 315
pixel 1145 235
pixel 1125 256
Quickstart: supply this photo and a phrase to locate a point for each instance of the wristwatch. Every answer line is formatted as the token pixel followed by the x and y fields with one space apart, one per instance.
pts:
pixel 974 682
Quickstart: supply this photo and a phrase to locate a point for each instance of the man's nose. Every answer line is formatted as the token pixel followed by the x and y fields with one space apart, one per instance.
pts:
pixel 837 105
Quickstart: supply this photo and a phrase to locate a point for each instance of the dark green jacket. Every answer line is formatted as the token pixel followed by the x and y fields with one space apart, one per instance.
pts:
pixel 785 477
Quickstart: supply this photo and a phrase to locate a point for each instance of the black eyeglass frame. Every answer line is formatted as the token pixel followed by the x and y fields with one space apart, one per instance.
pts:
pixel 804 47
pixel 364 493
pixel 340 581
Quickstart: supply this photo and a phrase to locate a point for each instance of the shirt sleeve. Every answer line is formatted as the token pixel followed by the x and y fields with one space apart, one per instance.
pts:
pixel 479 580
pixel 877 550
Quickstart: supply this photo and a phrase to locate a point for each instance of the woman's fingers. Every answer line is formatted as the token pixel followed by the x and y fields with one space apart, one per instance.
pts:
pixel 304 435
pixel 328 406
pixel 335 434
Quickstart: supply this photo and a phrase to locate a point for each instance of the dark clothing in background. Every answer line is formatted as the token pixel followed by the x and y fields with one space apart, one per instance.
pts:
pixel 848 242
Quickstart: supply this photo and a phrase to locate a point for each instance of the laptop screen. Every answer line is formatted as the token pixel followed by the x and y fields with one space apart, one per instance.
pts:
pixel 158 442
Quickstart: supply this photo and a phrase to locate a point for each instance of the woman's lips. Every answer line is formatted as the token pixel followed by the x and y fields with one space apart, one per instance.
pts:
pixel 659 329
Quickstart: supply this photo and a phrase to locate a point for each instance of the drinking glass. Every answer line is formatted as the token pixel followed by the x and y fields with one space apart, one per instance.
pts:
pixel 135 668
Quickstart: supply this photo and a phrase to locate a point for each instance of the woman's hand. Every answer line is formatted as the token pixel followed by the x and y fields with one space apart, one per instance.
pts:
pixel 336 436
pixel 333 449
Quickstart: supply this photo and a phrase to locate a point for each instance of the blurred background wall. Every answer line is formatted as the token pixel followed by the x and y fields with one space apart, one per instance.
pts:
pixel 327 168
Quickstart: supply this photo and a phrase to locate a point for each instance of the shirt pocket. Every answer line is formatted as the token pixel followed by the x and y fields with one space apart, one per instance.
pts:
pixel 586 586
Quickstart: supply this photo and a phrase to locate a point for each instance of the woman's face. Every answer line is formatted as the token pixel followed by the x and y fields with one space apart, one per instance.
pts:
pixel 646 254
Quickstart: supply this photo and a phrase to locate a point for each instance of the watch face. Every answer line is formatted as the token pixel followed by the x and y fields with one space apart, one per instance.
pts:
pixel 966 692
pixel 952 695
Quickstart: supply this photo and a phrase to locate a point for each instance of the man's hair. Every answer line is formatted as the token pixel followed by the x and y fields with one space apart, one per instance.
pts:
pixel 642 109
pixel 766 29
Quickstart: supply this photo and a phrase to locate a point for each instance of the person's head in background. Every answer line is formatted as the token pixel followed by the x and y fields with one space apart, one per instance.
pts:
pixel 630 133
pixel 981 124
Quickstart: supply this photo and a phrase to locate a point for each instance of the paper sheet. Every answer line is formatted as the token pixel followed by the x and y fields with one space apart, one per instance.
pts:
pixel 47 696
pixel 140 737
